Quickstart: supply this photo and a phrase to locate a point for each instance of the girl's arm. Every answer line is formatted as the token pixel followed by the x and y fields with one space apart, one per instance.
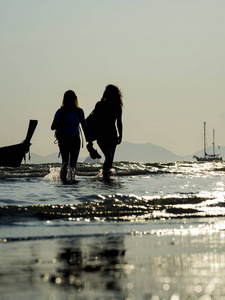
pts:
pixel 119 127
pixel 86 131
pixel 56 120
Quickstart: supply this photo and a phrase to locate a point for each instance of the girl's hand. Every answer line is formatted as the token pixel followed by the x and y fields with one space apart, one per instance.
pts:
pixel 119 139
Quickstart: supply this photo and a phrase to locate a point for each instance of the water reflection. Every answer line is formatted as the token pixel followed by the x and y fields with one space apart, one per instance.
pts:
pixel 115 267
pixel 98 265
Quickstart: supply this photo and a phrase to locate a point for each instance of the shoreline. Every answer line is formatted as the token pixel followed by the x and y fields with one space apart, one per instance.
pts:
pixel 115 267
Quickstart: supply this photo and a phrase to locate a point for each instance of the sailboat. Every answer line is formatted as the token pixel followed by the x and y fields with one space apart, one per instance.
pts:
pixel 209 157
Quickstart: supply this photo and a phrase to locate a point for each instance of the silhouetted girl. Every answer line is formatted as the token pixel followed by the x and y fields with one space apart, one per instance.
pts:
pixel 66 123
pixel 108 113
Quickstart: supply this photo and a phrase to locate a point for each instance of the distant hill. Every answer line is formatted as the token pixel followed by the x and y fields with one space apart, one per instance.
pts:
pixel 133 152
pixel 125 152
pixel 88 159
pixel 38 159
pixel 53 158
pixel 146 153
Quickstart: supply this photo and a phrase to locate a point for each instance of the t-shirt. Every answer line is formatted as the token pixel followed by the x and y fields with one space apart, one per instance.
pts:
pixel 70 122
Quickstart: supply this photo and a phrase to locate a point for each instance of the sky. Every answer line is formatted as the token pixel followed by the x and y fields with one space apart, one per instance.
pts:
pixel 166 56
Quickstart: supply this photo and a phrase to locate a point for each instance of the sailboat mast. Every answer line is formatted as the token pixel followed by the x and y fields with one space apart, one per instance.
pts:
pixel 204 139
pixel 213 142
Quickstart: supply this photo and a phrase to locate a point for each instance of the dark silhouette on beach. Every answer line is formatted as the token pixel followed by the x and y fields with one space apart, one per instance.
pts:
pixel 108 116
pixel 66 123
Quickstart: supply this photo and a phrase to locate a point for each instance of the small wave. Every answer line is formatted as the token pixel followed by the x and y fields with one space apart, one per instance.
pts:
pixel 122 168
pixel 117 208
pixel 24 171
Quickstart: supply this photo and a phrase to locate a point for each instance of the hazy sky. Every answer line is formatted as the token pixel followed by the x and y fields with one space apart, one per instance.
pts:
pixel 167 56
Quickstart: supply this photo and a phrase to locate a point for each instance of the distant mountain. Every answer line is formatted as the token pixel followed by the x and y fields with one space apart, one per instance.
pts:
pixel 133 152
pixel 125 152
pixel 88 159
pixel 38 159
pixel 54 158
pixel 146 153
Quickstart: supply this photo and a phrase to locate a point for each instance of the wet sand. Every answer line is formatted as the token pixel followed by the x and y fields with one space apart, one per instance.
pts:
pixel 135 266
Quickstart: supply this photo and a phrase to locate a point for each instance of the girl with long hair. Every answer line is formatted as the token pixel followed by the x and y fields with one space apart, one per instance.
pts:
pixel 66 123
pixel 108 114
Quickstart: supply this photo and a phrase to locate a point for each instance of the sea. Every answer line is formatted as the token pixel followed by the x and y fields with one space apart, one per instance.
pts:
pixel 152 231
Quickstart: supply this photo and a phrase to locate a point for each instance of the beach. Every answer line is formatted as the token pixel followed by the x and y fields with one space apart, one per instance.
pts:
pixel 100 240
pixel 142 82
pixel 136 266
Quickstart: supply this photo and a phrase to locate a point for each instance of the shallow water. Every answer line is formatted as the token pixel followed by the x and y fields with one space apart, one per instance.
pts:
pixel 145 234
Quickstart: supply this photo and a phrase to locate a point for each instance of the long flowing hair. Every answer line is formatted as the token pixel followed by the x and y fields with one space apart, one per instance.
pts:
pixel 70 101
pixel 113 95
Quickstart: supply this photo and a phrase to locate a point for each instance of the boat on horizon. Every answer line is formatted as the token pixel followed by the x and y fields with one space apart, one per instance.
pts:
pixel 208 157
pixel 12 156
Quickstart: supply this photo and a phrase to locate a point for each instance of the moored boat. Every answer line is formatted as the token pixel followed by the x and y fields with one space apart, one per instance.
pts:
pixel 208 157
pixel 12 156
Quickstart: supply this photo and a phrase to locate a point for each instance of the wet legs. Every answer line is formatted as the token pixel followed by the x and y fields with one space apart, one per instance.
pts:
pixel 69 149
pixel 108 150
